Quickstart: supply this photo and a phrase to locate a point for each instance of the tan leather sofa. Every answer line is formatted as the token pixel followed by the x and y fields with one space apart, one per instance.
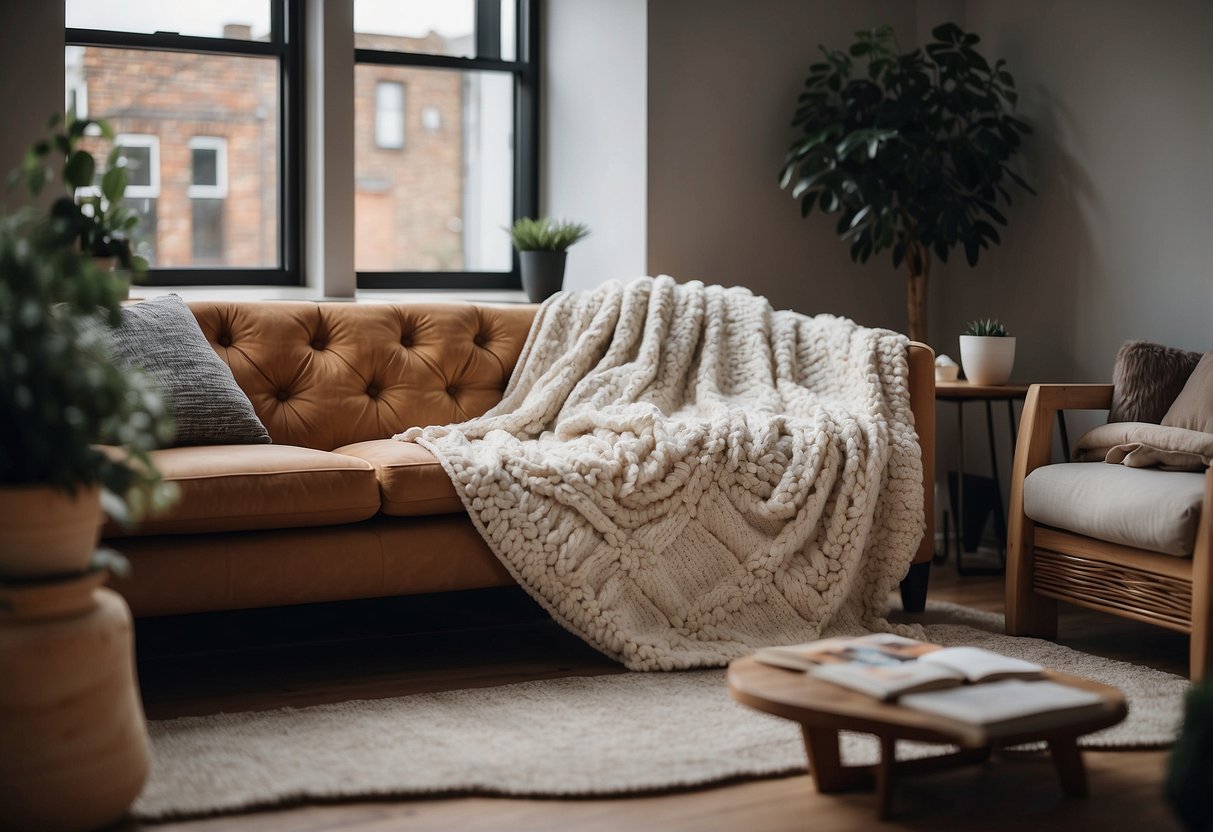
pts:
pixel 335 509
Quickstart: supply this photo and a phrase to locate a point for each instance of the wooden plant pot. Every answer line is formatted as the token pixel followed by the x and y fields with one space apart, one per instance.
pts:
pixel 73 743
pixel 46 533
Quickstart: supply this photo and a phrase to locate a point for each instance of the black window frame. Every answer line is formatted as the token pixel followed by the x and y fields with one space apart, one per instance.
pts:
pixel 286 45
pixel 525 69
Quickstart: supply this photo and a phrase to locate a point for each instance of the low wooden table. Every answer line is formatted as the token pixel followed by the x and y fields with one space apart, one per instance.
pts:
pixel 823 709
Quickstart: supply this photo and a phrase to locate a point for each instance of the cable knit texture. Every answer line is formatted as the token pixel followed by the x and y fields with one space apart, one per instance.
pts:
pixel 680 474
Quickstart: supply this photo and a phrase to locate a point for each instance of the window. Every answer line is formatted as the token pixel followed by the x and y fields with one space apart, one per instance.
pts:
pixel 446 151
pixel 140 155
pixel 205 101
pixel 389 115
pixel 208 167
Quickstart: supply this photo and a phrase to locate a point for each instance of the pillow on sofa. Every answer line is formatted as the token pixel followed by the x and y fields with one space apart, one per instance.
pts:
pixel 161 337
pixel 1143 445
pixel 1193 407
pixel 1147 379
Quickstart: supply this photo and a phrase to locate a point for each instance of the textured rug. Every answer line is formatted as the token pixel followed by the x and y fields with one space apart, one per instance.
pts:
pixel 603 735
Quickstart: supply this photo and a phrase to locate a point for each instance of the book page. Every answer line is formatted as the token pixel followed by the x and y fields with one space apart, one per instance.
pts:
pixel 877 649
pixel 996 702
pixel 888 681
pixel 976 664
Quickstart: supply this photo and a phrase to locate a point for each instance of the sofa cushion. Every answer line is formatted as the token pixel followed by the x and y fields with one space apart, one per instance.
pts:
pixel 227 488
pixel 161 337
pixel 1148 509
pixel 1146 379
pixel 411 481
pixel 1193 407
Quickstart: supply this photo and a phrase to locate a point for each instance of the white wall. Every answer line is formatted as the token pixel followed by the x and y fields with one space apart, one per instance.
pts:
pixel 593 140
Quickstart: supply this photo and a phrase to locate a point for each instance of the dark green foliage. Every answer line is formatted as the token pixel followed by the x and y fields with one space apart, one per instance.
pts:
pixel 60 395
pixel 546 234
pixel 987 327
pixel 909 149
pixel 100 220
pixel 1189 784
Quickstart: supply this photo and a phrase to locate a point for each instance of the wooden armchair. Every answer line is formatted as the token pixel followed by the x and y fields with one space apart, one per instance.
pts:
pixel 1047 564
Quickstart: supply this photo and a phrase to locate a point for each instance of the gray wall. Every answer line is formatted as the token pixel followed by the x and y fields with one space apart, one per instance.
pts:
pixel 723 81
pixel 1117 244
pixel 31 81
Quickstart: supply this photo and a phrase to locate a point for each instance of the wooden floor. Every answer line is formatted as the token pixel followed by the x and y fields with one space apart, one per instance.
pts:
pixel 267 659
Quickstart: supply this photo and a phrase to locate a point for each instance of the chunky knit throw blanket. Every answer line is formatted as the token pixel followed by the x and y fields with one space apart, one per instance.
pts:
pixel 680 474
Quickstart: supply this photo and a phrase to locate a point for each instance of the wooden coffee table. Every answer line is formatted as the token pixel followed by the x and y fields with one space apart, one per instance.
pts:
pixel 823 709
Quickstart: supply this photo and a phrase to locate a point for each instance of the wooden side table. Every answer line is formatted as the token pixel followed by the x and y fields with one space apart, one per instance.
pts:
pixel 823 709
pixel 962 392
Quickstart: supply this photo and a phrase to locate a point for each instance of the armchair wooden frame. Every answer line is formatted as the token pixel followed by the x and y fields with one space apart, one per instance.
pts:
pixel 1045 565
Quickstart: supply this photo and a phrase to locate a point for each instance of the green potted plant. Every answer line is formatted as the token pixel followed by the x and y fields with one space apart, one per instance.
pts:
pixel 987 352
pixel 909 148
pixel 542 250
pixel 61 398
pixel 92 210
pixel 1189 783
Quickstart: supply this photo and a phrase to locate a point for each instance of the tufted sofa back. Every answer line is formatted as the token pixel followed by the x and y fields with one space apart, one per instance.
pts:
pixel 323 375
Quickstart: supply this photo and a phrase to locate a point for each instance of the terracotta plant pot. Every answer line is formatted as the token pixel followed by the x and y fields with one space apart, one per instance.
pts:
pixel 987 359
pixel 46 533
pixel 542 273
pixel 73 743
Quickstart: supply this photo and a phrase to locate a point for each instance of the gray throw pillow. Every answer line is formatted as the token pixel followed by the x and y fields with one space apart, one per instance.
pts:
pixel 1147 379
pixel 161 337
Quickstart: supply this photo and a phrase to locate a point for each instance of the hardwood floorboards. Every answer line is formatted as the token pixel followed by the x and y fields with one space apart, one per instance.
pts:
pixel 268 659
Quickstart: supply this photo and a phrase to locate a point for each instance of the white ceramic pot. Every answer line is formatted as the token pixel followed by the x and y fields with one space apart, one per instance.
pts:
pixel 46 533
pixel 987 359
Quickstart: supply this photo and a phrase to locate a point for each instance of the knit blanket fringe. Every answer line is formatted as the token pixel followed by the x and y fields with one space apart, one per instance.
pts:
pixel 680 474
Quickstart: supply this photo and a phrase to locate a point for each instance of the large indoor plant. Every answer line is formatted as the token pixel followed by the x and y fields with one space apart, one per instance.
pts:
pixel 909 148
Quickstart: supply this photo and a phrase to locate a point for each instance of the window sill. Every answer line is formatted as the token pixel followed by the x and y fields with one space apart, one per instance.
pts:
pixel 268 293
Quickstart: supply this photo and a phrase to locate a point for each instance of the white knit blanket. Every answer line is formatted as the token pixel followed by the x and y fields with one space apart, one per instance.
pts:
pixel 680 474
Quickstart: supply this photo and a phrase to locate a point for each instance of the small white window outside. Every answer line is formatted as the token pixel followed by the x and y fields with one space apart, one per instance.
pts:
pixel 208 167
pixel 140 155
pixel 389 115
pixel 431 119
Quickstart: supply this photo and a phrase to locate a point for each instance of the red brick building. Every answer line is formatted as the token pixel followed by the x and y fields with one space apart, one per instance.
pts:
pixel 200 134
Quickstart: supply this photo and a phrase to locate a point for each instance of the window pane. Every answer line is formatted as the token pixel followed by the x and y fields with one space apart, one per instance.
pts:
pixel 205 166
pixel 236 19
pixel 206 230
pixel 389 114
pixel 442 202
pixel 428 27
pixel 157 103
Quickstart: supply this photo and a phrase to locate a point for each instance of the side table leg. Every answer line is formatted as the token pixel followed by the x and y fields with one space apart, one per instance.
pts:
pixel 1070 770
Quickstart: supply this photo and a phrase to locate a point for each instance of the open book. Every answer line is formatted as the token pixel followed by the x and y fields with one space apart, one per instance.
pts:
pixel 886 666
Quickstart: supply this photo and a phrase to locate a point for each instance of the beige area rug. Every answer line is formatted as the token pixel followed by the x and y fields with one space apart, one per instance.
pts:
pixel 603 735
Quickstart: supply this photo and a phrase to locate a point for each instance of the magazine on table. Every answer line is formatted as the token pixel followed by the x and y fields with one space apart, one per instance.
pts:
pixel 888 666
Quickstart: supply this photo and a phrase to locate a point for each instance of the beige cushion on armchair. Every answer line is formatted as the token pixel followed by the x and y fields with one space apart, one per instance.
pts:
pixel 1144 508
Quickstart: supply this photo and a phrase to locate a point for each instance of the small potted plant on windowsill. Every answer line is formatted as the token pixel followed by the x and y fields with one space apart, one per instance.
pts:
pixel 987 352
pixel 91 211
pixel 542 250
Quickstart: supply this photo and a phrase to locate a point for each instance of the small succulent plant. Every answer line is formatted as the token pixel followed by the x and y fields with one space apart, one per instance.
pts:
pixel 987 327
pixel 546 234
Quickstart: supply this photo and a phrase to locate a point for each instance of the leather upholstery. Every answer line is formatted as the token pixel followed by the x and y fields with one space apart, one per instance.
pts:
pixel 322 375
pixel 376 558
pixel 226 488
pixel 411 480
